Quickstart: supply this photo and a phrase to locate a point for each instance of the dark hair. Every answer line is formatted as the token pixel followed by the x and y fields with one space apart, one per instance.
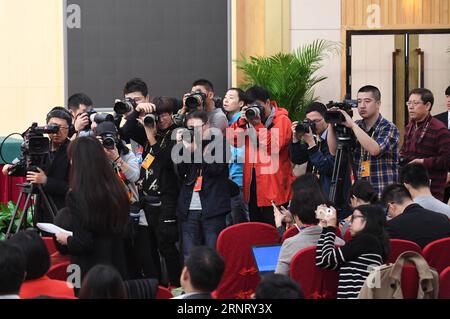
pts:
pixel 306 182
pixel 305 202
pixel 97 192
pixel 77 99
pixel 256 93
pixel 202 115
pixel 164 104
pixel 240 92
pixel 205 83
pixel 103 282
pixel 205 268
pixel 395 193
pixel 276 286
pixel 375 218
pixel 363 190
pixel 447 91
pixel 425 94
pixel 136 85
pixel 35 252
pixel 373 89
pixel 12 268
pixel 60 113
pixel 415 175
pixel 317 107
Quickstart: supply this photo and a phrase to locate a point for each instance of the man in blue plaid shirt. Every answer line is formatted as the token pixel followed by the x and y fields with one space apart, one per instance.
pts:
pixel 376 153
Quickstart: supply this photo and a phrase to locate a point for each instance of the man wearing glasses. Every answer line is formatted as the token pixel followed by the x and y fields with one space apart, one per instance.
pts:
pixel 375 157
pixel 427 140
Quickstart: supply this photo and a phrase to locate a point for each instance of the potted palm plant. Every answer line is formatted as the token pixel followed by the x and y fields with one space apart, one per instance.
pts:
pixel 290 77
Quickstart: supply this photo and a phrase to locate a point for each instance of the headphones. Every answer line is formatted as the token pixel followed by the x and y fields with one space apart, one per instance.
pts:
pixel 62 113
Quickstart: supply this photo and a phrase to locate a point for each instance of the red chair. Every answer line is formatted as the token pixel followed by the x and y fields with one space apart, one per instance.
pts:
pixel 316 283
pixel 290 232
pixel 50 245
pixel 410 281
pixel 444 284
pixel 163 293
pixel 59 271
pixel 399 246
pixel 235 243
pixel 347 236
pixel 437 254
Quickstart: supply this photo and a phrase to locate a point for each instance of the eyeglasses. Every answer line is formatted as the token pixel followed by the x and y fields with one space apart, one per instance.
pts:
pixel 355 217
pixel 415 103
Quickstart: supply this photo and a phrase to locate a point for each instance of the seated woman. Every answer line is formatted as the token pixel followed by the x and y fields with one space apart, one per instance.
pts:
pixel 354 261
pixel 98 209
pixel 303 209
pixel 36 283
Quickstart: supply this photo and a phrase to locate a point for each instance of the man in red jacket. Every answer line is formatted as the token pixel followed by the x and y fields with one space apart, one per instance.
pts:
pixel 266 131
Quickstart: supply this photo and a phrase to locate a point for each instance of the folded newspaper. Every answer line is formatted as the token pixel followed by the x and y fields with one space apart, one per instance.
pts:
pixel 53 229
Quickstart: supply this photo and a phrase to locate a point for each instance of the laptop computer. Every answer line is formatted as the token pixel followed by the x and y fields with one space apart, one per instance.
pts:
pixel 266 257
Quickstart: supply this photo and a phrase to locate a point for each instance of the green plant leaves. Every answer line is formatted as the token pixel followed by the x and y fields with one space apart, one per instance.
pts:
pixel 289 77
pixel 6 211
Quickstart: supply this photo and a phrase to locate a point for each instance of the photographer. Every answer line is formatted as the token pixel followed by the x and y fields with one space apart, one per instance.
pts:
pixel 266 131
pixel 202 92
pixel 79 104
pixel 376 153
pixel 53 175
pixel 151 125
pixel 204 199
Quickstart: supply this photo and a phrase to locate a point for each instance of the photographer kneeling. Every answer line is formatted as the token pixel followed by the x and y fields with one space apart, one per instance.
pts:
pixel 151 125
pixel 53 174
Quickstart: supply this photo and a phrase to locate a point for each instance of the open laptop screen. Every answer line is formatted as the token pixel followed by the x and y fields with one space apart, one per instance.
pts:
pixel 266 257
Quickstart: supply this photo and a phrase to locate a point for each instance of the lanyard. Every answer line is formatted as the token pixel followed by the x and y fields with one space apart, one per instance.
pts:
pixel 364 153
pixel 424 129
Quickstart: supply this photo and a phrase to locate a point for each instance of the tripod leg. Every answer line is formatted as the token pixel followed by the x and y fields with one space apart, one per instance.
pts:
pixel 336 174
pixel 24 212
pixel 46 201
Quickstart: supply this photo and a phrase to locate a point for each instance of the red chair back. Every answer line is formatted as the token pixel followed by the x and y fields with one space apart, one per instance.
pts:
pixel 290 232
pixel 347 236
pixel 399 246
pixel 410 281
pixel 163 293
pixel 234 244
pixel 437 254
pixel 59 271
pixel 50 245
pixel 315 282
pixel 444 284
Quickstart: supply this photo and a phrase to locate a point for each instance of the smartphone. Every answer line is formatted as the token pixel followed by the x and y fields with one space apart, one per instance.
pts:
pixel 277 207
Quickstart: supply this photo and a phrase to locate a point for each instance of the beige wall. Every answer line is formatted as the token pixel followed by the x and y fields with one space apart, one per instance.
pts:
pixel 31 62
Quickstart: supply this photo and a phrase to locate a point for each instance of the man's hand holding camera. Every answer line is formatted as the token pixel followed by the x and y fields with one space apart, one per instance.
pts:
pixel 348 120
pixel 37 177
pixel 81 122
pixel 112 154
pixel 307 137
pixel 256 120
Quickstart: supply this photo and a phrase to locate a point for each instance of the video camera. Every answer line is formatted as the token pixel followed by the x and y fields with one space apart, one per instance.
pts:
pixel 333 114
pixel 304 126
pixel 34 149
pixel 195 100
pixel 254 111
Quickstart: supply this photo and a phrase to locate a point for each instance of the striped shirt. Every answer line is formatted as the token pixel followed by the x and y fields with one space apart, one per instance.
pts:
pixel 354 261
pixel 384 166
pixel 429 140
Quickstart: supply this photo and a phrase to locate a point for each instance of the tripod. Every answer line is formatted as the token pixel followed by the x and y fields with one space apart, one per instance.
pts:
pixel 29 190
pixel 342 161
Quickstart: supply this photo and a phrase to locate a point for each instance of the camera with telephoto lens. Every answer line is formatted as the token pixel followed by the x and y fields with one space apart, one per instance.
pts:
pixel 125 106
pixel 304 126
pixel 195 100
pixel 254 111
pixel 109 141
pixel 98 118
pixel 34 149
pixel 333 114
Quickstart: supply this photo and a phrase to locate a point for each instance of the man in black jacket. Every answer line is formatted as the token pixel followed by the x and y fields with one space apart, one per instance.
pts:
pixel 204 198
pixel 158 185
pixel 411 221
pixel 54 177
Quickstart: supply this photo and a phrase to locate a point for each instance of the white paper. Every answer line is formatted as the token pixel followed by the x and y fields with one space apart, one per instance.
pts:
pixel 53 229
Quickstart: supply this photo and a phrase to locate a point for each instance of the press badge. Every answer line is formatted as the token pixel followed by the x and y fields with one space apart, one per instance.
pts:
pixel 198 184
pixel 148 161
pixel 365 169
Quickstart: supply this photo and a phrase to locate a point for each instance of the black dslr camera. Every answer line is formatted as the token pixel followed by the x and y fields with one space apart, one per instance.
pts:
pixel 125 106
pixel 334 116
pixel 109 141
pixel 98 118
pixel 151 119
pixel 195 100
pixel 304 126
pixel 34 149
pixel 254 111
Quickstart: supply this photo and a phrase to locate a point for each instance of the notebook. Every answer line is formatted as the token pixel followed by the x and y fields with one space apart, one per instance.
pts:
pixel 53 229
pixel 266 257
